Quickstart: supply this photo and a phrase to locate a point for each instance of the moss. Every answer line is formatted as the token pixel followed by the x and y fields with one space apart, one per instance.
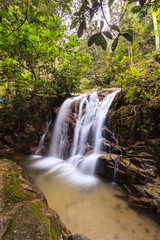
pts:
pixel 24 209
pixel 31 222
pixel 13 190
pixel 36 210
pixel 52 227
pixel 9 228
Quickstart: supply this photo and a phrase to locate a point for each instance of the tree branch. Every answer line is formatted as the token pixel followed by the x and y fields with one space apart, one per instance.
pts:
pixel 26 17
pixel 24 66
pixel 104 16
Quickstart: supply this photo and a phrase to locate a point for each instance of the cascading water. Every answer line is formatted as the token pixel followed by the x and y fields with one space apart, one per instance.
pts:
pixel 70 160
pixel 66 177
pixel 40 145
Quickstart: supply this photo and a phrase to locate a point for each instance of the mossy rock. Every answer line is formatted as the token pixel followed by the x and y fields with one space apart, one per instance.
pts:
pixel 137 121
pixel 32 220
pixel 24 213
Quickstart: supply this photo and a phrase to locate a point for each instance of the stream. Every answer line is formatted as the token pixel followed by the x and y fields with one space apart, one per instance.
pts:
pixel 66 176
pixel 95 208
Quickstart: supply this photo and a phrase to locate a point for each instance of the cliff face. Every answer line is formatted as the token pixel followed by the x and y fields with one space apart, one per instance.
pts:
pixel 137 129
pixel 23 123
pixel 134 122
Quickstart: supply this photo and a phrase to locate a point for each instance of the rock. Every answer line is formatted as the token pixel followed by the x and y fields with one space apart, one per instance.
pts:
pixel 24 213
pixel 147 196
pixel 106 168
pixel 136 174
pixel 136 127
pixel 75 237
pixel 137 121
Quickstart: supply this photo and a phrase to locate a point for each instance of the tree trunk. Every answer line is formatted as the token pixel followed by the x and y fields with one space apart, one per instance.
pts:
pixel 157 40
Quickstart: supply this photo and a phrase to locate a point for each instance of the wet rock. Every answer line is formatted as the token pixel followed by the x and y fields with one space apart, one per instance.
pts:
pixel 136 121
pixel 143 182
pixel 75 237
pixel 108 134
pixel 136 126
pixel 147 196
pixel 136 173
pixel 107 168
pixel 105 92
pixel 110 147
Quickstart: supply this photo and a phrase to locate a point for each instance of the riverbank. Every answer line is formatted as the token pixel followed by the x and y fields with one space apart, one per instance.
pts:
pixel 24 211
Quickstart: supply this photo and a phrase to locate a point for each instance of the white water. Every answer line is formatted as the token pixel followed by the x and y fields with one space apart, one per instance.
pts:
pixel 91 115
pixel 40 145
pixel 85 204
pixel 59 139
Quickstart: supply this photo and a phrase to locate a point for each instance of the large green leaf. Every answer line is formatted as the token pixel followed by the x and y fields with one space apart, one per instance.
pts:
pixel 76 13
pixel 103 43
pixel 98 40
pixel 127 36
pixel 114 44
pixel 81 29
pixel 93 39
pixel 108 34
pixel 84 24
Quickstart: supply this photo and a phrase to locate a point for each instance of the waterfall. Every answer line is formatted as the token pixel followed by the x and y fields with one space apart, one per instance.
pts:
pixel 87 115
pixel 40 145
pixel 59 143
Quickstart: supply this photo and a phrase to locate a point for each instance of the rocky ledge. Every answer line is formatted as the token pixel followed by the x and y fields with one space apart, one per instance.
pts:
pixel 136 173
pixel 137 170
pixel 24 212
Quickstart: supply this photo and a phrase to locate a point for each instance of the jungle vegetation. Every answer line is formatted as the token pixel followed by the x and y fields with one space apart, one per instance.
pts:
pixel 51 49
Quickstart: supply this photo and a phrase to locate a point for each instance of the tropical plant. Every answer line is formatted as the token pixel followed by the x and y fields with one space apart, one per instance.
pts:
pixel 37 57
pixel 108 29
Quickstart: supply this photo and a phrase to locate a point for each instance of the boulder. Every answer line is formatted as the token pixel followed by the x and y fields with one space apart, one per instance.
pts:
pixel 24 212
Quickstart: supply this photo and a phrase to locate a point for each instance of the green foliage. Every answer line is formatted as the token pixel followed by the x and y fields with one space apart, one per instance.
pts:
pixel 88 10
pixel 37 57
pixel 132 94
pixel 141 78
pixel 135 65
